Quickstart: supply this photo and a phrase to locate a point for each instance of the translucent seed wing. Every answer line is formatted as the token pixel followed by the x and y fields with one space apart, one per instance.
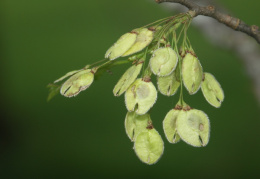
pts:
pixel 135 124
pixel 127 79
pixel 140 95
pixel 77 83
pixel 130 96
pixel 193 127
pixel 144 38
pixel 169 126
pixel 149 146
pixel 163 61
pixel 121 46
pixel 146 97
pixel 66 75
pixel 191 73
pixel 168 85
pixel 212 90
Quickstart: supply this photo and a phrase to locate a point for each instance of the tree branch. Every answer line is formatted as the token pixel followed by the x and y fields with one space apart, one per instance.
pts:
pixel 223 18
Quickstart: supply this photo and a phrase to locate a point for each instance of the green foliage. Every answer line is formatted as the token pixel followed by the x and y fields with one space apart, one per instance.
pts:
pixel 53 90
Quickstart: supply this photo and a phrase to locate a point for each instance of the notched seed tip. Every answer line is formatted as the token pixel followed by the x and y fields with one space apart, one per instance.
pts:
pixel 146 79
pixel 178 107
pixel 150 125
pixel 186 108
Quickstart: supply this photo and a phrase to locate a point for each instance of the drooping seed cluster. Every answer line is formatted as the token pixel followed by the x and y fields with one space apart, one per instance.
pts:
pixel 155 51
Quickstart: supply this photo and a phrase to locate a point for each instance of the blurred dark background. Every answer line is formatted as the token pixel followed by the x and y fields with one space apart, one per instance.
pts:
pixel 84 137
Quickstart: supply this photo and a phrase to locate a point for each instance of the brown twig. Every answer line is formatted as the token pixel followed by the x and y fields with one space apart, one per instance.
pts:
pixel 223 18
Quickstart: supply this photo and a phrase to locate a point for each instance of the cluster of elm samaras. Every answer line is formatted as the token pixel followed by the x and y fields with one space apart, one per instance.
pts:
pixel 161 49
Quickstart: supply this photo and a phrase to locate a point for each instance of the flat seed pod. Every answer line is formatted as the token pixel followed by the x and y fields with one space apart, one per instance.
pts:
pixel 212 90
pixel 121 46
pixel 66 75
pixel 144 38
pixel 163 61
pixel 127 79
pixel 169 126
pixel 77 83
pixel 168 85
pixel 193 127
pixel 135 124
pixel 141 96
pixel 149 146
pixel 191 73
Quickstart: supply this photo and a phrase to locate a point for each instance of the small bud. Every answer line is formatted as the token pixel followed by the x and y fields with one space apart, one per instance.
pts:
pixel 135 124
pixel 163 61
pixel 141 95
pixel 77 83
pixel 193 127
pixel 121 46
pixel 127 79
pixel 212 90
pixel 168 85
pixel 67 75
pixel 169 126
pixel 149 146
pixel 144 38
pixel 191 73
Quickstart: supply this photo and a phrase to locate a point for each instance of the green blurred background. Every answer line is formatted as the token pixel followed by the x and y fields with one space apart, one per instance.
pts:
pixel 84 137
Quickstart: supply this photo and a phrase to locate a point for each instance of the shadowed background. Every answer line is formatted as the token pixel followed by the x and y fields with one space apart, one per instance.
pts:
pixel 84 137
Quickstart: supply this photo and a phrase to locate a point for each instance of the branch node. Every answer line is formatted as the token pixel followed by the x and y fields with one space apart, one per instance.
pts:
pixel 192 13
pixel 255 29
pixel 211 8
